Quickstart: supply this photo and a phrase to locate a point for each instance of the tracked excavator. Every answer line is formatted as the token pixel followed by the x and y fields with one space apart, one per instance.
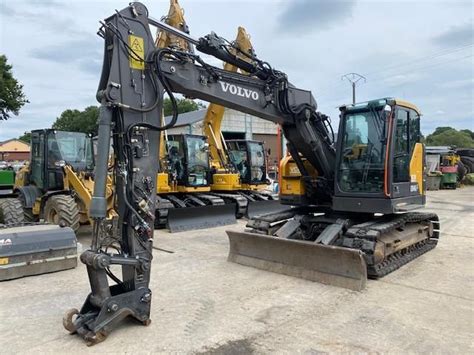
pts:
pixel 234 181
pixel 184 201
pixel 353 198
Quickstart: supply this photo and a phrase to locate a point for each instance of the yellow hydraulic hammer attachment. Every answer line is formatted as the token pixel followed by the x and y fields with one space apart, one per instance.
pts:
pixel 331 265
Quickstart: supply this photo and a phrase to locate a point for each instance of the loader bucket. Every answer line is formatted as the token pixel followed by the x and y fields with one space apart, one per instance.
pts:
pixel 190 218
pixel 257 208
pixel 330 265
pixel 36 249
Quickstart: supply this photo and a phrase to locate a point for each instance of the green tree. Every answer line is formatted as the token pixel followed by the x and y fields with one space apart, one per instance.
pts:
pixel 12 97
pixel 440 130
pixel 450 137
pixel 78 121
pixel 468 131
pixel 184 105
pixel 26 137
pixel 86 121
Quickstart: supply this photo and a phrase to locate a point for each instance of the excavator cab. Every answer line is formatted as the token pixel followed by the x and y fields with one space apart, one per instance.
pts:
pixel 187 203
pixel 380 158
pixel 188 159
pixel 248 157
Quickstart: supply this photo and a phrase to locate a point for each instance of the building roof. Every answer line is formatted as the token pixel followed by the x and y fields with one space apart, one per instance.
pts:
pixel 188 118
pixel 13 140
pixel 14 145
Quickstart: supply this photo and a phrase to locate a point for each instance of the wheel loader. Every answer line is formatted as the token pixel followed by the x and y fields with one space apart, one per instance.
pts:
pixel 354 198
pixel 57 184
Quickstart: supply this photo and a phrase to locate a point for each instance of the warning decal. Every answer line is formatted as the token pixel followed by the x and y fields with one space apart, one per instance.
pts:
pixel 137 57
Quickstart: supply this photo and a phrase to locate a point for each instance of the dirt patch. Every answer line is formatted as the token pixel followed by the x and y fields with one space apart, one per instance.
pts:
pixel 235 347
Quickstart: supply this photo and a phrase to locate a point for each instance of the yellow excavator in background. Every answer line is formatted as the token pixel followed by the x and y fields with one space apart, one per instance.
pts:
pixel 236 174
pixel 239 166
pixel 184 201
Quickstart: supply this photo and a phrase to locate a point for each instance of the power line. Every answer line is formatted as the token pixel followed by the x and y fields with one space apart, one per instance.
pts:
pixel 353 78
pixel 444 52
pixel 432 56
pixel 418 69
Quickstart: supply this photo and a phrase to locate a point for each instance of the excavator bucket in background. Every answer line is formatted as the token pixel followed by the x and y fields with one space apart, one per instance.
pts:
pixel 258 208
pixel 342 267
pixel 191 218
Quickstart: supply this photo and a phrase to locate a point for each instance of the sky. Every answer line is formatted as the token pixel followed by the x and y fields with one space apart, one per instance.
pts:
pixel 421 51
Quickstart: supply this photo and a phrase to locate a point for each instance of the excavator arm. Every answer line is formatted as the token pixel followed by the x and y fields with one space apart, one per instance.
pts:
pixel 131 98
pixel 267 95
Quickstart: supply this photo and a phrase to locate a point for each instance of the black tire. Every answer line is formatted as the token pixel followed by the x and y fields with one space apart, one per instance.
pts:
pixel 462 171
pixel 27 212
pixel 62 209
pixel 11 211
pixel 468 164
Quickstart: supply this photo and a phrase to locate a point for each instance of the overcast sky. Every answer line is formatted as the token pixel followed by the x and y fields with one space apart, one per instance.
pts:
pixel 420 51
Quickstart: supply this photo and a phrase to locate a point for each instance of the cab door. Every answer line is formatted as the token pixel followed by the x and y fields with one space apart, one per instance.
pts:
pixel 37 164
pixel 406 137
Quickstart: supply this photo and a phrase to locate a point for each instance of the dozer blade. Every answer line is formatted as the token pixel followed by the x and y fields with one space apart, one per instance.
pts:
pixel 190 218
pixel 36 249
pixel 258 208
pixel 342 267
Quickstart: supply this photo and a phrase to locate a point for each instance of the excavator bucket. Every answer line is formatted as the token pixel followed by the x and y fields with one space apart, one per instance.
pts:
pixel 342 267
pixel 36 249
pixel 257 208
pixel 190 218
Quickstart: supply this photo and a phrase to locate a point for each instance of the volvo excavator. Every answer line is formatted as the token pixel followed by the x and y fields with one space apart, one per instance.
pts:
pixel 353 198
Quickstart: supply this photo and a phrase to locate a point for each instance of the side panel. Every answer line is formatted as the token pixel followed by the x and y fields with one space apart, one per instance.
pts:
pixel 416 166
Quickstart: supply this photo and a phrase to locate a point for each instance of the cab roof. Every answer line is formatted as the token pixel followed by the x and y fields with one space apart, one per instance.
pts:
pixel 380 102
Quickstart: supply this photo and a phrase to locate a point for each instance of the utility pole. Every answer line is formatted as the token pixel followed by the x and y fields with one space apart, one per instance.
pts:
pixel 353 78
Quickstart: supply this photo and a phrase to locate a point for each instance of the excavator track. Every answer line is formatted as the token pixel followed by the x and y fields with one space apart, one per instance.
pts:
pixel 397 260
pixel 401 257
pixel 297 242
pixel 240 202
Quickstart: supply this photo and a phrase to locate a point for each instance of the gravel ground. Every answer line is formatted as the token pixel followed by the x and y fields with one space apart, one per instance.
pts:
pixel 203 304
